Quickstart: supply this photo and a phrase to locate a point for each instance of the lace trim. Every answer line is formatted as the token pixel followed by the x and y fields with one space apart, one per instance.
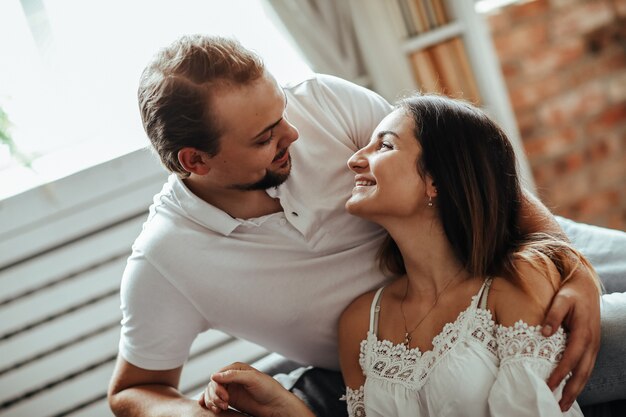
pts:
pixel 524 341
pixel 355 403
pixel 483 331
pixel 410 367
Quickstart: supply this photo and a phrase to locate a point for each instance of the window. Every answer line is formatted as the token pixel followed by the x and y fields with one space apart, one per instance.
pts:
pixel 485 6
pixel 70 70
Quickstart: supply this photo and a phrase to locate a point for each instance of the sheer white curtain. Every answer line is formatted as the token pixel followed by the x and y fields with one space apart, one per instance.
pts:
pixel 324 31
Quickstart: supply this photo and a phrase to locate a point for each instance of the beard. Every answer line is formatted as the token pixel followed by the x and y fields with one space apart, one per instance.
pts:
pixel 270 180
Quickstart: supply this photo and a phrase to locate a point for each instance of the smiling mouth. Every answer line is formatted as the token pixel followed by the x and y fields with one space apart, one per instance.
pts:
pixel 364 183
pixel 281 156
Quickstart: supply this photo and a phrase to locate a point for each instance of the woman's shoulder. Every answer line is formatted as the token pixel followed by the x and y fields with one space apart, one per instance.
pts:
pixel 353 329
pixel 526 296
pixel 357 312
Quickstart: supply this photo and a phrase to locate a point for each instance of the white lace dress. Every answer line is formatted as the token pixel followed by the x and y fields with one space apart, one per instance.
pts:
pixel 476 368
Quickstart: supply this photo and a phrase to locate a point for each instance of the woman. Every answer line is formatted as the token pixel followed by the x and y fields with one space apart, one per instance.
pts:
pixel 457 332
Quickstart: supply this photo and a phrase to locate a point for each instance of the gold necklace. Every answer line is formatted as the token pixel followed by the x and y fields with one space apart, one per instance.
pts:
pixel 408 334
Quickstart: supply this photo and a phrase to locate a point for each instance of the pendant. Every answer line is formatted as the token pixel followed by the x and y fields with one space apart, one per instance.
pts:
pixel 407 340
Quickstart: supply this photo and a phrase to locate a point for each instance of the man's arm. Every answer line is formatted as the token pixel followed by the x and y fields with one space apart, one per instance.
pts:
pixel 135 392
pixel 576 305
pixel 536 218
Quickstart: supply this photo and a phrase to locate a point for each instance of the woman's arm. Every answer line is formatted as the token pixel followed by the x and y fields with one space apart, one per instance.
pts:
pixel 576 306
pixel 353 327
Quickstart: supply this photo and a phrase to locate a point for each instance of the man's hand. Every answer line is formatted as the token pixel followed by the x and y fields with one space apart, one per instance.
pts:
pixel 577 307
pixel 251 391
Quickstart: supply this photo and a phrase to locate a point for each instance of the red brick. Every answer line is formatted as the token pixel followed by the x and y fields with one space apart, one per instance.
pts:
pixel 549 58
pixel 543 174
pixel 526 123
pixel 617 87
pixel 552 144
pixel 519 40
pixel 528 9
pixel 616 220
pixel 528 94
pixel 570 163
pixel 606 66
pixel 565 211
pixel 597 203
pixel 556 93
pixel 498 21
pixel 612 60
pixel 608 120
pixel 596 220
pixel 584 102
pixel 598 151
pixel 560 4
pixel 510 70
pixel 609 172
pixel 608 146
pixel 581 73
pixel 569 189
pixel 581 19
pixel 602 208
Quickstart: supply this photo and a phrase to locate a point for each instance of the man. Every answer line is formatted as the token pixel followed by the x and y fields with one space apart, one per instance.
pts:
pixel 249 235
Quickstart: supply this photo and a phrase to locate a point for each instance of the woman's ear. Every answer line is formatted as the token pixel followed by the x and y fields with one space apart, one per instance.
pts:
pixel 431 187
pixel 194 161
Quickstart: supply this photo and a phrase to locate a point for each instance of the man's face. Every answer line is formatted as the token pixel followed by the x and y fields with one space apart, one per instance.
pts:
pixel 254 149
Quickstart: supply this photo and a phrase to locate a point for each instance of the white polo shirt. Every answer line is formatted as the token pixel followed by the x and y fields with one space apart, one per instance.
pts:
pixel 281 280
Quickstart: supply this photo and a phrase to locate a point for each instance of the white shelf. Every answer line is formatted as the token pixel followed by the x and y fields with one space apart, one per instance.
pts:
pixel 387 58
pixel 433 37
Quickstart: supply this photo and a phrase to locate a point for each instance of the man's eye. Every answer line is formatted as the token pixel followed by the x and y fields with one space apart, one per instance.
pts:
pixel 268 140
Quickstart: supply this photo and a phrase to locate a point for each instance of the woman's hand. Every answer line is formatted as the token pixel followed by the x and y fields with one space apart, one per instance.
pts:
pixel 215 397
pixel 577 307
pixel 246 389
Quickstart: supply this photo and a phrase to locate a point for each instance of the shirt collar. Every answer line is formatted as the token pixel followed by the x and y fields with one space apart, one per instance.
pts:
pixel 199 210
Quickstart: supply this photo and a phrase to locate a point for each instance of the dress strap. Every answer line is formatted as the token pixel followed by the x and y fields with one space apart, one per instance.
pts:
pixel 478 301
pixel 484 293
pixel 375 310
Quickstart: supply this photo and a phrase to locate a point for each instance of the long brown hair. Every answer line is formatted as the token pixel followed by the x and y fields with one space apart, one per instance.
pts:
pixel 479 195
pixel 175 93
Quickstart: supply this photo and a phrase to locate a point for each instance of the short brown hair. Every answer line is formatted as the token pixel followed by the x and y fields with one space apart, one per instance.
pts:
pixel 175 93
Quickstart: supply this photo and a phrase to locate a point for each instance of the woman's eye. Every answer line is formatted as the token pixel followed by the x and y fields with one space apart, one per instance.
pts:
pixel 385 145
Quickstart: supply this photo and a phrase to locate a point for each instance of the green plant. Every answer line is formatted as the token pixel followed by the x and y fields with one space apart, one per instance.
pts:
pixel 6 139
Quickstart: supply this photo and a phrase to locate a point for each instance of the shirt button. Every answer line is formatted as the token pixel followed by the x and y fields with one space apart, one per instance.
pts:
pixel 283 222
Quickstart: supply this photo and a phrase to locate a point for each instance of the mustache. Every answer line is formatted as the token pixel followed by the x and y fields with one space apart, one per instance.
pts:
pixel 280 154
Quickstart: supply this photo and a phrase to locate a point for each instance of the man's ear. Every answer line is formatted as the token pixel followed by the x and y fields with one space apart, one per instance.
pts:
pixel 194 161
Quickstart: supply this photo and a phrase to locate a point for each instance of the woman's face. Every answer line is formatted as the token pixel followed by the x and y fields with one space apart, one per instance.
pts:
pixel 387 182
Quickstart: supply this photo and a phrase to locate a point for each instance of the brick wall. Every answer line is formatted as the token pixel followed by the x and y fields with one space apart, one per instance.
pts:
pixel 565 69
